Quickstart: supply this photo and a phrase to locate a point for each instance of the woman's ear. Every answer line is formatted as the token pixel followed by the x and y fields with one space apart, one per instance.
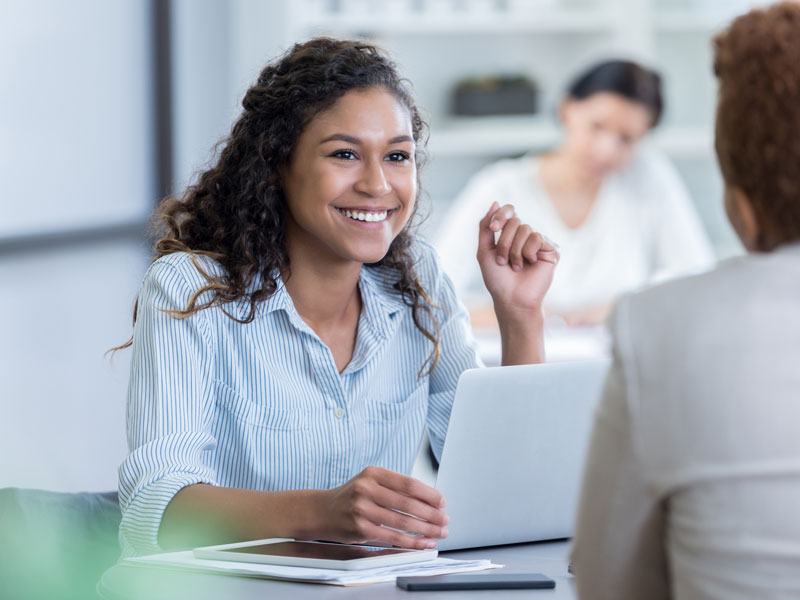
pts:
pixel 563 108
pixel 742 216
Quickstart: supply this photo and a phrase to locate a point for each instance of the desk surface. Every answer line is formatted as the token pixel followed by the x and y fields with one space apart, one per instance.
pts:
pixel 123 582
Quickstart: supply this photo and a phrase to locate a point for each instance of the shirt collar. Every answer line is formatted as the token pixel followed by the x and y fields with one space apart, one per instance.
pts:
pixel 381 302
pixel 280 299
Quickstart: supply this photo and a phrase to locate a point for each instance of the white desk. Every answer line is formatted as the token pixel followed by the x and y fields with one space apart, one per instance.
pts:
pixel 145 583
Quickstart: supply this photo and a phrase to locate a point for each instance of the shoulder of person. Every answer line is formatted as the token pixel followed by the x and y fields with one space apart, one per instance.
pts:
pixel 672 306
pixel 173 279
pixel 193 269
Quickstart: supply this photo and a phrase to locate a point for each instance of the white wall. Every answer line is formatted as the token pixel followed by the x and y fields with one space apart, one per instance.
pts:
pixel 63 402
pixel 74 113
pixel 218 49
pixel 75 151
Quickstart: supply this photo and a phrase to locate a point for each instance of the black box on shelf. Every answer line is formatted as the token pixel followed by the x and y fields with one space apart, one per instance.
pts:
pixel 495 95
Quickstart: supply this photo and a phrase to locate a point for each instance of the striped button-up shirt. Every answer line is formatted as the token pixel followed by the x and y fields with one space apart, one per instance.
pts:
pixel 263 406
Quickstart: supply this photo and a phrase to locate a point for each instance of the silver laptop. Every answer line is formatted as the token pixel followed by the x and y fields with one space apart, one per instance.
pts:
pixel 514 452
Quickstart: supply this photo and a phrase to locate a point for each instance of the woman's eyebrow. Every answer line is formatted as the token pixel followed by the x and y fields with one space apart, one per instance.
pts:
pixel 342 137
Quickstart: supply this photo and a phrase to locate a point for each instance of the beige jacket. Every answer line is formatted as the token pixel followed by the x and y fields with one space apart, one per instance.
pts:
pixel 692 484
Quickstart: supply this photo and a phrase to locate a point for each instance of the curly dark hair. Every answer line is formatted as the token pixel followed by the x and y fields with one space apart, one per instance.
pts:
pixel 757 61
pixel 236 212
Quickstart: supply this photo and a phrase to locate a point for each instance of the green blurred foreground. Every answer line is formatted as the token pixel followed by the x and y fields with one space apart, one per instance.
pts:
pixel 56 545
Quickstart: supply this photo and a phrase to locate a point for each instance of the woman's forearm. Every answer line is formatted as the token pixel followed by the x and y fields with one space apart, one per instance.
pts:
pixel 376 505
pixel 522 336
pixel 203 514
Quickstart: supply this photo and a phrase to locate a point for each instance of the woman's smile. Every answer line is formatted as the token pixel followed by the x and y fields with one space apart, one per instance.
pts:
pixel 374 217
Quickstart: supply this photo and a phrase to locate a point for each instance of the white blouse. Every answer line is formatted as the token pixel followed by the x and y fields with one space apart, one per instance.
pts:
pixel 643 226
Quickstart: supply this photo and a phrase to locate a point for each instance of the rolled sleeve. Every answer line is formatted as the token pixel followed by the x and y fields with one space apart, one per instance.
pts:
pixel 169 403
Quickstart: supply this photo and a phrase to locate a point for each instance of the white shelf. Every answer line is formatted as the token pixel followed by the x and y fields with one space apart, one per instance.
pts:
pixel 500 136
pixel 690 22
pixel 491 136
pixel 464 24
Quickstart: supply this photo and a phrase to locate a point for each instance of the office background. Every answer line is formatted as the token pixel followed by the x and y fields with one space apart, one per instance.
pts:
pixel 107 105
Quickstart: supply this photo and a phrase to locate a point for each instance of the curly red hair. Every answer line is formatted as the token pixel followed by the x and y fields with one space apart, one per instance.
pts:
pixel 757 61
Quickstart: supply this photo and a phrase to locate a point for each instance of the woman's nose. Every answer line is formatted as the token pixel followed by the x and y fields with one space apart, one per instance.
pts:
pixel 373 180
pixel 608 149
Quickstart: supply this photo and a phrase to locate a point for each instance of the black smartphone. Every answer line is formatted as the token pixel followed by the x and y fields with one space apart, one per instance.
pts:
pixel 480 581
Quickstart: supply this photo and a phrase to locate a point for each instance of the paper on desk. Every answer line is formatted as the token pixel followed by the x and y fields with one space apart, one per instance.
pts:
pixel 187 560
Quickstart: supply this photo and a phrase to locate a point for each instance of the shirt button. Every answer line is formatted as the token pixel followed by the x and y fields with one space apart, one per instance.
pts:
pixel 339 413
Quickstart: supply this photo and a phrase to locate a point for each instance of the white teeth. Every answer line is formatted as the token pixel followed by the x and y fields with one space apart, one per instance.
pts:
pixel 371 217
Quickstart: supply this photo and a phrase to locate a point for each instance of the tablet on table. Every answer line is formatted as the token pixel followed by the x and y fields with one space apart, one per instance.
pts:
pixel 321 555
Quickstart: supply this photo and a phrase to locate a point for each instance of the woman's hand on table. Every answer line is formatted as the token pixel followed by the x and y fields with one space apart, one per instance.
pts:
pixel 379 505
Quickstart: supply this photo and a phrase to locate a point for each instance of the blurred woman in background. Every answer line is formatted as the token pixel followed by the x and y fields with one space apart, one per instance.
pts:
pixel 693 480
pixel 619 211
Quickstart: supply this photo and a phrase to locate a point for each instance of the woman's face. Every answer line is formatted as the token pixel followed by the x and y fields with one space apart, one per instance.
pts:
pixel 602 131
pixel 351 182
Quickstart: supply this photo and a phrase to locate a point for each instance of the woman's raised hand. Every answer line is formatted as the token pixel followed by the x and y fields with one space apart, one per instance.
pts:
pixel 518 268
pixel 379 505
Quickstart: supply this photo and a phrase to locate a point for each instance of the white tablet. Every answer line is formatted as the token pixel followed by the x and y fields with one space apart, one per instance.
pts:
pixel 321 555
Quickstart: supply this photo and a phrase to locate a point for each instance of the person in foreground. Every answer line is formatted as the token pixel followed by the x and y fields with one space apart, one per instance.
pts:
pixel 617 207
pixel 293 337
pixel 692 485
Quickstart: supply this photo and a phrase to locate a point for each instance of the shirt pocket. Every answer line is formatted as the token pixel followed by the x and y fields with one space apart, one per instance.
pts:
pixel 394 429
pixel 258 414
pixel 262 441
pixel 381 409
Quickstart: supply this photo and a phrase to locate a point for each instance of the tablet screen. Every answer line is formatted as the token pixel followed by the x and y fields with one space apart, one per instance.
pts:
pixel 317 550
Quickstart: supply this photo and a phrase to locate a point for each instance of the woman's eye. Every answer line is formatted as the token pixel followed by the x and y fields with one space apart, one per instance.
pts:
pixel 344 154
pixel 397 157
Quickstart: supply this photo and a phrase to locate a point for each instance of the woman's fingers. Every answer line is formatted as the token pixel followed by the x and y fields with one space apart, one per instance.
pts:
pixel 504 242
pixel 408 523
pixel 551 257
pixel 391 501
pixel 492 222
pixel 501 216
pixel 543 249
pixel 485 231
pixel 517 243
pixel 385 535
pixel 411 506
pixel 408 486
pixel 524 247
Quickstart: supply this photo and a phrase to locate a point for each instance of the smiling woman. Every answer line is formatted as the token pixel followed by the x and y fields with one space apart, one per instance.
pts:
pixel 293 337
pixel 353 192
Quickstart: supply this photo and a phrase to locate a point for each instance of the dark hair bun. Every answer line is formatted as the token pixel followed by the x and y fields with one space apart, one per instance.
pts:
pixel 628 79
